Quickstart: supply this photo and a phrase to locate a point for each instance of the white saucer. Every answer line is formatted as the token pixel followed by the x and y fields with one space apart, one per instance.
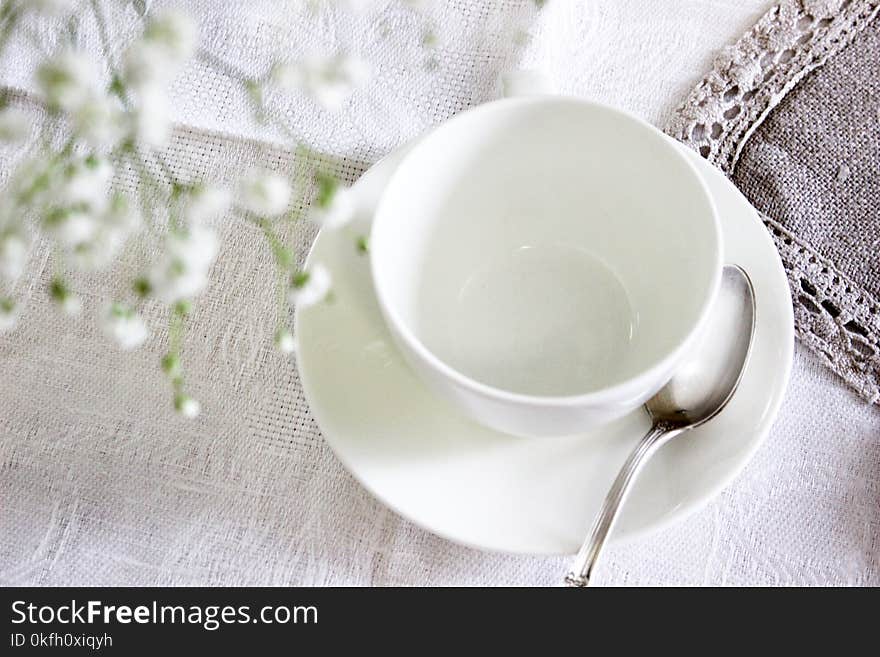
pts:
pixel 496 492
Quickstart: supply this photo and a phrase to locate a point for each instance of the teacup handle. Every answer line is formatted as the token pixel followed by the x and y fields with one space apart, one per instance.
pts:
pixel 525 82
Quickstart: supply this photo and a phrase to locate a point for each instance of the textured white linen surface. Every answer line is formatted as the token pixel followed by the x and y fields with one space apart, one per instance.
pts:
pixel 98 485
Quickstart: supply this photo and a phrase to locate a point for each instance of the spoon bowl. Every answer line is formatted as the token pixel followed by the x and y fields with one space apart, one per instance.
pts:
pixel 712 369
pixel 702 386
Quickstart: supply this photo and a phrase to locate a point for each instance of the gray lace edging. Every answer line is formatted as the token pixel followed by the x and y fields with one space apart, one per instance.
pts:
pixel 834 316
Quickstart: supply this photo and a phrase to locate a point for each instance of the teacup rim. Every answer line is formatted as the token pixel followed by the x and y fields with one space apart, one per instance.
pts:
pixel 614 393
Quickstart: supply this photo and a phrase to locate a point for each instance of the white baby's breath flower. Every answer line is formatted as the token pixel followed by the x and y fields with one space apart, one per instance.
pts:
pixel 71 305
pixel 206 202
pixel 97 253
pixel 86 182
pixel 68 80
pixel 8 315
pixel 71 228
pixel 61 294
pixel 121 216
pixel 335 211
pixel 14 125
pixel 168 41
pixel 187 406
pixel 174 282
pixel 287 76
pixel 328 80
pixel 182 272
pixel 309 287
pixel 196 248
pixel 144 65
pixel 92 238
pixel 114 227
pixel 151 117
pixel 13 256
pixel 284 341
pixel 264 193
pixel 175 32
pixel 32 183
pixel 98 121
pixel 124 326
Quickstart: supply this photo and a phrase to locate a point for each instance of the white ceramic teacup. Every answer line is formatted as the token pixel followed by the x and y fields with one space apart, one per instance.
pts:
pixel 543 262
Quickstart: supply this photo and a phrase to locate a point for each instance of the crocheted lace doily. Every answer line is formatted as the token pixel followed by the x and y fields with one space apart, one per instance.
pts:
pixel 835 316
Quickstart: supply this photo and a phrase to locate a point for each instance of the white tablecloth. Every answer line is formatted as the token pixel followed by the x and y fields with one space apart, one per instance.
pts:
pixel 94 491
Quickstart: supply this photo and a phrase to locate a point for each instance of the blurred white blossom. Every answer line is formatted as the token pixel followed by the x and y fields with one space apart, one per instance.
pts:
pixel 68 80
pixel 14 125
pixel 151 117
pixel 328 80
pixel 13 256
pixel 71 305
pixel 182 272
pixel 169 40
pixel 63 190
pixel 150 63
pixel 124 326
pixel 284 341
pixel 335 211
pixel 112 229
pixel 197 246
pixel 206 202
pixel 175 32
pixel 67 301
pixel 309 287
pixel 86 182
pixel 70 228
pixel 32 183
pixel 187 406
pixel 99 121
pixel 264 193
pixel 144 66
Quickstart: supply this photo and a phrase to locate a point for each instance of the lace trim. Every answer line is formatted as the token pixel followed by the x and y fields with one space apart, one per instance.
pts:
pixel 834 316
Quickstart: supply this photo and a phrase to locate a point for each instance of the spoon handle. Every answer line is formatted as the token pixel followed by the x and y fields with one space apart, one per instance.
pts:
pixel 588 555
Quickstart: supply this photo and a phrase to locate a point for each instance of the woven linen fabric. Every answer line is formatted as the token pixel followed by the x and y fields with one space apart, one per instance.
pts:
pixel 792 114
pixel 100 484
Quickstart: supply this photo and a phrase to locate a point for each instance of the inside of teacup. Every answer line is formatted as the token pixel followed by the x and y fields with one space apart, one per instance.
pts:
pixel 546 247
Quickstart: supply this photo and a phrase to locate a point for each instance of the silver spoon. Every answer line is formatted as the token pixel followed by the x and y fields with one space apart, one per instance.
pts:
pixel 704 383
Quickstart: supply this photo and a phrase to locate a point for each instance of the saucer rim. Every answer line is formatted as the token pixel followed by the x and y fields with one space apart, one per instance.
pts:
pixel 675 514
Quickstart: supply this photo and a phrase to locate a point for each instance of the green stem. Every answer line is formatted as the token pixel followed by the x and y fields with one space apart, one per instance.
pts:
pixel 302 153
pixel 53 160
pixel 175 332
pixel 175 335
pixel 284 261
pixel 283 256
pixel 246 81
pixel 105 40
pixel 282 299
pixel 147 182
pixel 116 87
